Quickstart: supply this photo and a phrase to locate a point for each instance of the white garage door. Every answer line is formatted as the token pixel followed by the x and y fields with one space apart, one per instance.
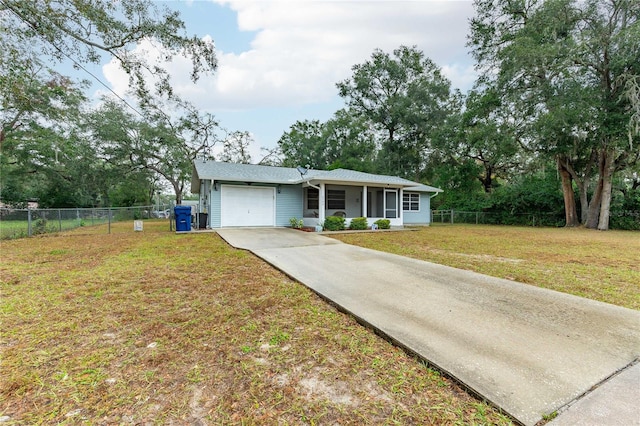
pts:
pixel 247 206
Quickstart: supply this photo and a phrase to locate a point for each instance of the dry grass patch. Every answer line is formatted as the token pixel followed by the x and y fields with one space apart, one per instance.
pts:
pixel 603 266
pixel 158 328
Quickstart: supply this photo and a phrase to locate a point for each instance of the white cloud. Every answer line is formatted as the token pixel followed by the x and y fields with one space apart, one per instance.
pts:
pixel 302 48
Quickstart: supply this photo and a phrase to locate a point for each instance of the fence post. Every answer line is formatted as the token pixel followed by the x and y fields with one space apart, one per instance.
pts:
pixel 476 218
pixel 59 221
pixel 452 216
pixel 29 222
pixel 109 216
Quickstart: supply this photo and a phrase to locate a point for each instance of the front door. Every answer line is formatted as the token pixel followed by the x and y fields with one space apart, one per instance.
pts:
pixel 390 204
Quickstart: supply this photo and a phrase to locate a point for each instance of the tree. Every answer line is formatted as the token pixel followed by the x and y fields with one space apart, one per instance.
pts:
pixel 343 141
pixel 235 148
pixel 39 110
pixel 482 132
pixel 156 142
pixel 570 68
pixel 303 145
pixel 405 97
pixel 84 30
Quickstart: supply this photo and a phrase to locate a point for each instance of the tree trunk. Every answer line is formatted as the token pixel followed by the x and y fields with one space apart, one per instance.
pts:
pixel 593 215
pixel 584 201
pixel 570 213
pixel 487 179
pixel 607 183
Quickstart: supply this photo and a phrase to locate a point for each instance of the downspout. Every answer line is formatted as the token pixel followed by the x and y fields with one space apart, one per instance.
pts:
pixel 313 186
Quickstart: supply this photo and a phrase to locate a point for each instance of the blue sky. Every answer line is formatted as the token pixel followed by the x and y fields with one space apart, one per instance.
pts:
pixel 279 61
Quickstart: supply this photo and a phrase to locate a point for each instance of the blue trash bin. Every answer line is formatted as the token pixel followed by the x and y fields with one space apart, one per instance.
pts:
pixel 183 218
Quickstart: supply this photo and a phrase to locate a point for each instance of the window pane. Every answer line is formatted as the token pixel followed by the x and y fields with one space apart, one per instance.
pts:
pixel 312 199
pixel 336 199
pixel 411 202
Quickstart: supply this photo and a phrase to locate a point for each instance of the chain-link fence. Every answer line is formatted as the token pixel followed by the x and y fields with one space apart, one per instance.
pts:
pixel 18 223
pixel 490 218
pixel 619 219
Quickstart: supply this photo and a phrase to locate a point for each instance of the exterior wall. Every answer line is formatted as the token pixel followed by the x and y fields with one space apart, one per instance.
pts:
pixel 423 216
pixel 215 216
pixel 288 204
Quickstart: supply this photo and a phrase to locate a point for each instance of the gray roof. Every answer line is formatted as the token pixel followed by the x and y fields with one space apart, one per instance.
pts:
pixel 423 188
pixel 234 172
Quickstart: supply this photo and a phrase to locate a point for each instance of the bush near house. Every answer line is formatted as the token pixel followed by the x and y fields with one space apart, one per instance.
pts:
pixel 296 223
pixel 334 223
pixel 383 223
pixel 358 223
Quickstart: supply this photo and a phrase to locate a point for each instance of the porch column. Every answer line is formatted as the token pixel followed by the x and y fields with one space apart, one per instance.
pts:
pixel 364 201
pixel 401 206
pixel 321 204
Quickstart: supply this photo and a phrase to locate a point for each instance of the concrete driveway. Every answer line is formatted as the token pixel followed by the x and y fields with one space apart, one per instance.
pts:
pixel 528 350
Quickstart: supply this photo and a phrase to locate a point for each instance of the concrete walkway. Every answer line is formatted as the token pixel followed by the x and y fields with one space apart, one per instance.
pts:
pixel 528 350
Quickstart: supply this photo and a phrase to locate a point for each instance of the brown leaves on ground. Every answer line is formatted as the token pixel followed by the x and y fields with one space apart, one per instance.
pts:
pixel 158 328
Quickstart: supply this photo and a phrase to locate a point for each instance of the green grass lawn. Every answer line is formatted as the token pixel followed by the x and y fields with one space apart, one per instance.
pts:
pixel 603 266
pixel 158 328
pixel 10 229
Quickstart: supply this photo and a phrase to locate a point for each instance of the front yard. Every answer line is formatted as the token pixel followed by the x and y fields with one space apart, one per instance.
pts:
pixel 159 328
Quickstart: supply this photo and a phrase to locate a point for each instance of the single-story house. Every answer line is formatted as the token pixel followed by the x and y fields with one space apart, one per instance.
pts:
pixel 254 195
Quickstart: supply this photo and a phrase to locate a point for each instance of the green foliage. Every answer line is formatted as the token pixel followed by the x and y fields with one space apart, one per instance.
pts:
pixel 571 68
pixel 358 223
pixel 87 30
pixel 383 223
pixel 625 210
pixel 296 223
pixel 344 141
pixel 405 98
pixel 334 223
pixel 39 226
pixel 51 148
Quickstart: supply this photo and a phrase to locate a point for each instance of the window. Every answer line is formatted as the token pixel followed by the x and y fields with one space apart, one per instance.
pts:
pixel 336 199
pixel 411 202
pixel 313 196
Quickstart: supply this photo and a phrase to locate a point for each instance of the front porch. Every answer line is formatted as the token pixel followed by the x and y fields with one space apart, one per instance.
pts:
pixel 351 201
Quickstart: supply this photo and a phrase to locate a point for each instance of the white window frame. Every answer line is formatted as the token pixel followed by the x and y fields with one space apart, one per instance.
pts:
pixel 411 202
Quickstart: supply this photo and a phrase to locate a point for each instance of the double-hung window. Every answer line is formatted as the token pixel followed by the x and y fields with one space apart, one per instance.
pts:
pixel 410 202
pixel 313 197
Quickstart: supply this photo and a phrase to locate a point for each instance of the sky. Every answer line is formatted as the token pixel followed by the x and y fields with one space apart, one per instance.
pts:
pixel 279 60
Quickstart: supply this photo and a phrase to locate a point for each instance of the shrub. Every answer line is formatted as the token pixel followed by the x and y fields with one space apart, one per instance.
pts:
pixel 296 223
pixel 334 223
pixel 40 226
pixel 358 223
pixel 383 223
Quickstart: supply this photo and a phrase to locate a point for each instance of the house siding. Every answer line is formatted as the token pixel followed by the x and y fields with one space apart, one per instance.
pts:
pixel 215 215
pixel 420 217
pixel 289 204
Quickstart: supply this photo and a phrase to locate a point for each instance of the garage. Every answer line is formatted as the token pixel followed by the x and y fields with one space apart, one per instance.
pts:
pixel 247 206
